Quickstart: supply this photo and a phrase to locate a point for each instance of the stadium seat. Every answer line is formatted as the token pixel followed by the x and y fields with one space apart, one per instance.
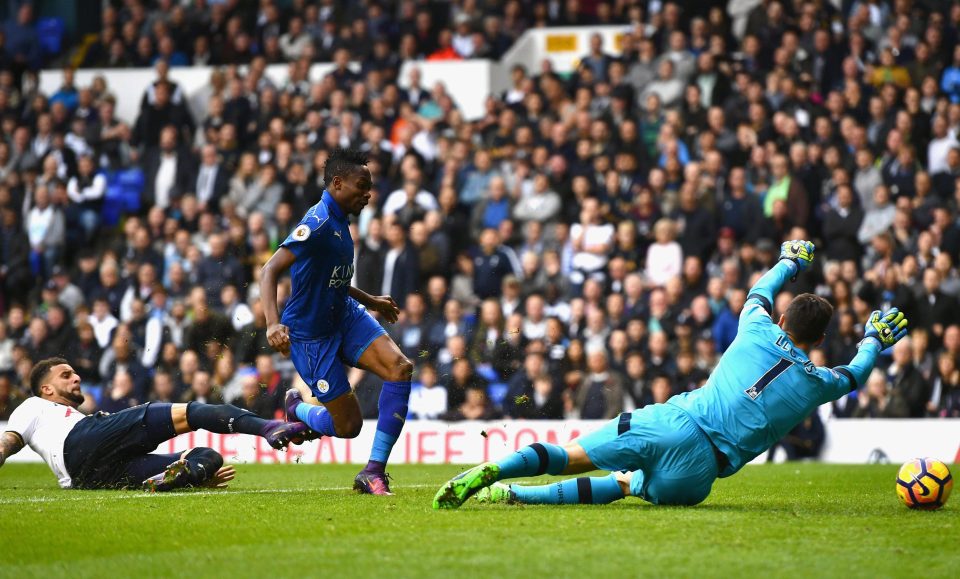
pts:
pixel 112 206
pixel 131 183
pixel 50 32
pixel 497 391
pixel 132 178
pixel 487 372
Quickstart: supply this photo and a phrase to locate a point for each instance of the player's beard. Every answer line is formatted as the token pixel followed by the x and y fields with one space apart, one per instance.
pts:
pixel 76 398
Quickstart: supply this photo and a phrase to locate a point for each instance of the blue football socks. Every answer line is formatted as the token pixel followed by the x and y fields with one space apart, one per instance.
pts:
pixel 392 413
pixel 598 490
pixel 317 418
pixel 534 460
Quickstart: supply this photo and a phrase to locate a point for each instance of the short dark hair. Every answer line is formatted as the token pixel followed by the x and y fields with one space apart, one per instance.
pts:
pixel 807 317
pixel 40 371
pixel 342 162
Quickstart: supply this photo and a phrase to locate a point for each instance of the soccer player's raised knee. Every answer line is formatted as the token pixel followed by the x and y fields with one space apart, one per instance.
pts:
pixel 401 370
pixel 349 428
pixel 204 464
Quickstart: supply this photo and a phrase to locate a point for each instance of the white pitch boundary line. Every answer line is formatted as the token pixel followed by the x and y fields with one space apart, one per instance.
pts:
pixel 67 498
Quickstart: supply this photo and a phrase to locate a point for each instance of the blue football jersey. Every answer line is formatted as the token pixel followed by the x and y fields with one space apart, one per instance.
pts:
pixel 762 388
pixel 322 272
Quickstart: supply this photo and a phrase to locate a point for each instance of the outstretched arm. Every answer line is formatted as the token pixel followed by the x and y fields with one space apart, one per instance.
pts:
pixel 858 370
pixel 882 331
pixel 10 444
pixel 795 256
pixel 768 286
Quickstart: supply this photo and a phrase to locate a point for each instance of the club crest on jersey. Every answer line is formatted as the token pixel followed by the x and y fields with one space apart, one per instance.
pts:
pixel 302 232
pixel 323 386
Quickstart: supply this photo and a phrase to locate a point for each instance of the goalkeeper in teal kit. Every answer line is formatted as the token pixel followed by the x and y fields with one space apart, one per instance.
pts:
pixel 671 453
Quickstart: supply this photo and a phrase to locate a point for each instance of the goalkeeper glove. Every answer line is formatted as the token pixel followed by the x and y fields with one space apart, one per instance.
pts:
pixel 887 328
pixel 799 252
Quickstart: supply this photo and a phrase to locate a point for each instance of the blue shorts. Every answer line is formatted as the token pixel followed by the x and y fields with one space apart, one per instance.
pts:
pixel 320 362
pixel 673 460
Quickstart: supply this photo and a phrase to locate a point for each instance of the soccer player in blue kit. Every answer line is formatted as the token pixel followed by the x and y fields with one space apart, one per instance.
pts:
pixel 670 454
pixel 325 321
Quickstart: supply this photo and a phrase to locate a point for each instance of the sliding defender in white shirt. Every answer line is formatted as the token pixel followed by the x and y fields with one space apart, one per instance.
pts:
pixel 109 451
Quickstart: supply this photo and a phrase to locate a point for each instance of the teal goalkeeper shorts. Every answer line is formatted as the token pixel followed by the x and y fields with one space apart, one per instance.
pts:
pixel 672 460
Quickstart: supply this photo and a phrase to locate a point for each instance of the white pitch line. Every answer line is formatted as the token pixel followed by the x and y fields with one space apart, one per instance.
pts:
pixel 119 497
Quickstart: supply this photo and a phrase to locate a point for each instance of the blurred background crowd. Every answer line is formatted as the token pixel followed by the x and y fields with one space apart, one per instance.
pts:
pixel 583 249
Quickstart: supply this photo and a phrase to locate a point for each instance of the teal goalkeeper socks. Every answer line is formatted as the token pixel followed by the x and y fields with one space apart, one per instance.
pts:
pixel 583 491
pixel 534 460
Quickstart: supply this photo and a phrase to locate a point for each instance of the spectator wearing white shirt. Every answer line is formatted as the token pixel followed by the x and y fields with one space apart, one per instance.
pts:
pixel 664 257
pixel 463 42
pixel 407 195
pixel 943 140
pixel 519 85
pixel 295 42
pixel 236 311
pixel 535 320
pixel 666 86
pixel 102 321
pixel 153 332
pixel 542 204
pixel 167 170
pixel 46 232
pixel 87 189
pixel 592 240
pixel 139 290
pixel 428 401
pixel 76 139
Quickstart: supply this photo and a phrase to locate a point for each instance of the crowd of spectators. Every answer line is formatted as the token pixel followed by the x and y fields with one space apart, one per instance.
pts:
pixel 582 249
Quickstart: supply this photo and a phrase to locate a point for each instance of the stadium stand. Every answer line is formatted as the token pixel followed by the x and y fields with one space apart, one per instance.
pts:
pixel 580 249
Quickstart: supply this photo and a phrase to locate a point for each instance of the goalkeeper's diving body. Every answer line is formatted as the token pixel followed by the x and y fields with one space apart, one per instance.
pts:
pixel 670 454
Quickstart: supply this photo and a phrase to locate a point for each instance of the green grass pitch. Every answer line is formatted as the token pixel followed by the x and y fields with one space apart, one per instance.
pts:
pixel 802 520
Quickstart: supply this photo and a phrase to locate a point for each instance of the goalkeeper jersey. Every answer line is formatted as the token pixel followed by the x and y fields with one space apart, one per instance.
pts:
pixel 763 385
